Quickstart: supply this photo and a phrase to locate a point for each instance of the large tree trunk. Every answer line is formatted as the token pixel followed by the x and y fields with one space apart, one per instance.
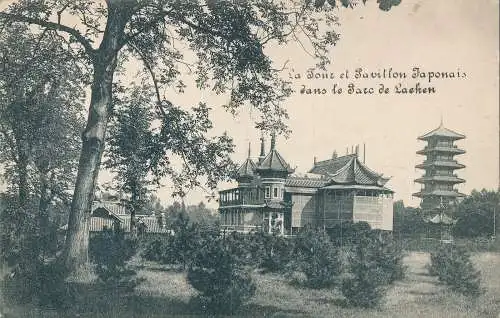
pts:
pixel 75 253
pixel 77 237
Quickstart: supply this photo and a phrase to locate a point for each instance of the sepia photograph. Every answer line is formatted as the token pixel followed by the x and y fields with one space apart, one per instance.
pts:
pixel 249 158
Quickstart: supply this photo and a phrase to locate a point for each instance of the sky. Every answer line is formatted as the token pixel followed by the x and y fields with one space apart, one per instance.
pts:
pixel 458 36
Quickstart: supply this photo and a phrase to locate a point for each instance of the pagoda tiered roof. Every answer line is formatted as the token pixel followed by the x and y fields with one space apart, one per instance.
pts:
pixel 440 163
pixel 440 179
pixel 442 132
pixel 440 193
pixel 445 149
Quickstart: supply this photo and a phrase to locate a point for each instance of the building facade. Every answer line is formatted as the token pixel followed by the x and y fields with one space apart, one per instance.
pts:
pixel 439 181
pixel 272 197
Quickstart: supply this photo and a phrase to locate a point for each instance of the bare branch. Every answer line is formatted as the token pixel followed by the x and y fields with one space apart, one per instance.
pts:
pixel 151 72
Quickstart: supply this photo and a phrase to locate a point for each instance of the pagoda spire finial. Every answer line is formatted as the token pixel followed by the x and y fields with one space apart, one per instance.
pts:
pixel 273 140
pixel 249 149
pixel 262 148
pixel 441 122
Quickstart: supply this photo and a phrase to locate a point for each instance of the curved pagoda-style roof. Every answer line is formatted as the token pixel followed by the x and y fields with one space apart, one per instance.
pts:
pixel 274 162
pixel 442 132
pixel 439 193
pixel 330 166
pixel 247 169
pixel 348 170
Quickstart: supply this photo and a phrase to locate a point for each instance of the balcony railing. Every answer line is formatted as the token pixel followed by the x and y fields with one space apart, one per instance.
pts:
pixel 241 196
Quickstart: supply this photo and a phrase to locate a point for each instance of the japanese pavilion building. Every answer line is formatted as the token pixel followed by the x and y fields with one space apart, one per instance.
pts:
pixel 272 197
pixel 439 180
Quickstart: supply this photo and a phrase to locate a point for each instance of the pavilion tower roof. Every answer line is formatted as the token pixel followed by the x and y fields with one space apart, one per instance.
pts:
pixel 442 132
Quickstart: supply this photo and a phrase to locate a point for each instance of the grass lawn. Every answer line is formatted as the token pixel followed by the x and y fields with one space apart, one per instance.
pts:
pixel 166 293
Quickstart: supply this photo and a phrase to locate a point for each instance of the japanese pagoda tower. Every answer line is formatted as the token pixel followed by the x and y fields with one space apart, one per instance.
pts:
pixel 439 180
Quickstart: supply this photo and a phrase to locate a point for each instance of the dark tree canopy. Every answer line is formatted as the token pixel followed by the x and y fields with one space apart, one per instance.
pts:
pixel 476 213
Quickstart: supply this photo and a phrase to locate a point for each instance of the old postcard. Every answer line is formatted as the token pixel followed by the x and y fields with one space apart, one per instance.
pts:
pixel 305 158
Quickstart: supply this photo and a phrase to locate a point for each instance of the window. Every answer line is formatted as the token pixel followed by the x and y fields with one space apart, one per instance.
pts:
pixel 268 192
pixel 275 192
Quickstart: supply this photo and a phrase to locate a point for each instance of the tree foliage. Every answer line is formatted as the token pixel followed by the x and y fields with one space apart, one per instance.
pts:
pixel 408 221
pixel 40 125
pixel 475 214
pixel 129 149
pixel 40 113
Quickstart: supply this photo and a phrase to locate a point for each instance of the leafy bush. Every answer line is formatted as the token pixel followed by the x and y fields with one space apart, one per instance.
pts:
pixel 221 281
pixel 374 262
pixel 40 283
pixel 453 267
pixel 317 258
pixel 348 233
pixel 153 250
pixel 110 251
pixel 364 287
pixel 388 255
pixel 272 252
pixel 244 248
pixel 179 248
pixel 25 248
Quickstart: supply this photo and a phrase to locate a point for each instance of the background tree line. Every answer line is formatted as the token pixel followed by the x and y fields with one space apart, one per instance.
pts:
pixel 476 216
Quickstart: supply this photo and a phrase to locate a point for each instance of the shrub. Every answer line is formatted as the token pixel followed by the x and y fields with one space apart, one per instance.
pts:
pixel 24 247
pixel 244 248
pixel 362 291
pixel 110 251
pixel 317 258
pixel 223 284
pixel 374 262
pixel 348 233
pixel 276 252
pixel 364 286
pixel 161 249
pixel 40 283
pixel 453 267
pixel 388 255
pixel 179 248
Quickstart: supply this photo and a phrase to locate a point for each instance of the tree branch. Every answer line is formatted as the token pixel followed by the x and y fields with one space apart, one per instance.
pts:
pixel 146 27
pixel 86 43
pixel 150 70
